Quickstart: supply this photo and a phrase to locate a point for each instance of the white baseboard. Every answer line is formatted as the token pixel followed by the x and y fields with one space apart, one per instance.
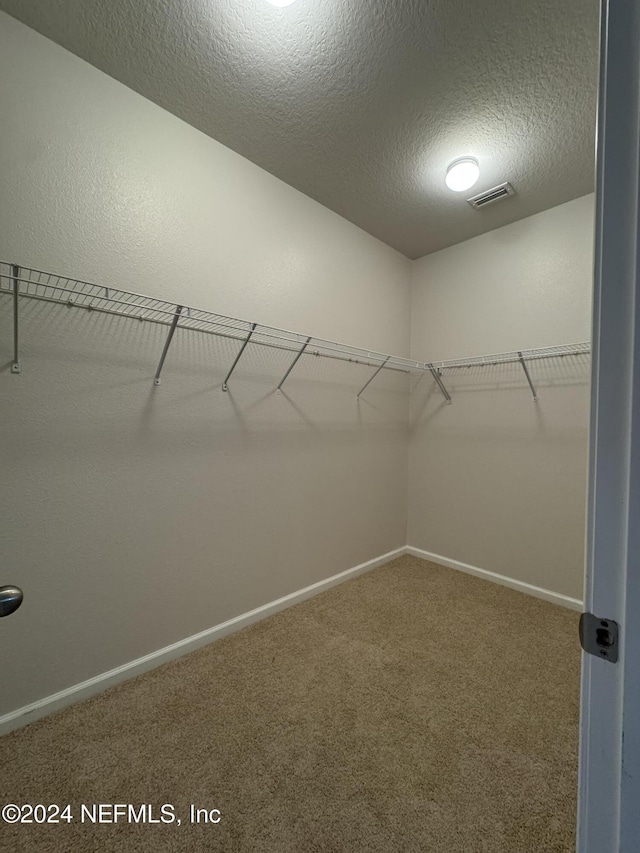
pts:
pixel 43 707
pixel 78 692
pixel 521 586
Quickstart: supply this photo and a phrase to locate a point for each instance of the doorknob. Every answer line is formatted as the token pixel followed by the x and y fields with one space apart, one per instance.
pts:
pixel 10 599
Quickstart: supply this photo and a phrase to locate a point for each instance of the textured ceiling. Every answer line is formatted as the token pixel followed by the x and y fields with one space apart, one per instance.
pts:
pixel 362 105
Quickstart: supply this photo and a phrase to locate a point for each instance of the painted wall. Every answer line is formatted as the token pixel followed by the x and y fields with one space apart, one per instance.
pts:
pixel 135 516
pixel 496 480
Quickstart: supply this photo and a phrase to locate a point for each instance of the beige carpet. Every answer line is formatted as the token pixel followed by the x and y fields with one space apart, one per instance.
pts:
pixel 412 709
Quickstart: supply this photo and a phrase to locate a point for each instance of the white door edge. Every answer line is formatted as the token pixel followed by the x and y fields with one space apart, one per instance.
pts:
pixel 609 776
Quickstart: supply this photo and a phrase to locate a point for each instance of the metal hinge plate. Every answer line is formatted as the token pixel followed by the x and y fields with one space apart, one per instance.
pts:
pixel 599 637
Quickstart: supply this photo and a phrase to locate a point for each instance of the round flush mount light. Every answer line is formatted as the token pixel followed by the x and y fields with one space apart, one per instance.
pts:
pixel 462 174
pixel 281 2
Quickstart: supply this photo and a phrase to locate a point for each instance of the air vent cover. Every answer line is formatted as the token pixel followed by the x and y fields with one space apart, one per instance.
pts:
pixel 492 195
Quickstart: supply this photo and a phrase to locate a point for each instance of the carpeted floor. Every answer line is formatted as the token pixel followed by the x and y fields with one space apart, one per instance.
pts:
pixel 414 708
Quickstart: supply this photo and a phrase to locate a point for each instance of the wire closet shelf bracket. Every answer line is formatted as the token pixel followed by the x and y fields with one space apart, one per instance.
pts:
pixel 20 281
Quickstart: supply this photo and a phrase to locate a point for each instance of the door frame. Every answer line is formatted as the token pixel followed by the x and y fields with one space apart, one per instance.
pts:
pixel 609 767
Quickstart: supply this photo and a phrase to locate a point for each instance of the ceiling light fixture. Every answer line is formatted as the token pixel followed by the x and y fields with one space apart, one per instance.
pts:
pixel 462 174
pixel 281 2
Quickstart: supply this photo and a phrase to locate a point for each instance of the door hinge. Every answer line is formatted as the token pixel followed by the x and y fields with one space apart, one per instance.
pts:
pixel 599 637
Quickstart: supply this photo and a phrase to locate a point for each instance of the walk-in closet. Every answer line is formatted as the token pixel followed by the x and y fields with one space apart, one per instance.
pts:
pixel 296 310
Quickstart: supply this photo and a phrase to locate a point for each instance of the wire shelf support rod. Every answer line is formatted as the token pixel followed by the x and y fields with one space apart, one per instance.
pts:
pixel 371 378
pixel 15 276
pixel 529 380
pixel 293 363
pixel 436 375
pixel 167 343
pixel 225 384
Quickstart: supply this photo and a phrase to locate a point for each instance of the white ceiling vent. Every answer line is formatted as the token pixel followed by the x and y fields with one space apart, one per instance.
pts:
pixel 492 195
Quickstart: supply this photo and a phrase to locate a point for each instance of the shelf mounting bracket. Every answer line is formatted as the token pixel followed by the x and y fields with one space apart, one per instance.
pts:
pixel 526 373
pixel 371 378
pixel 15 275
pixel 436 375
pixel 225 386
pixel 167 343
pixel 293 363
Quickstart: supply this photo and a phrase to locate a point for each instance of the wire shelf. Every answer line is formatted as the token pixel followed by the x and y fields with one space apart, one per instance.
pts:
pixel 37 284
pixel 50 287
pixel 562 351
